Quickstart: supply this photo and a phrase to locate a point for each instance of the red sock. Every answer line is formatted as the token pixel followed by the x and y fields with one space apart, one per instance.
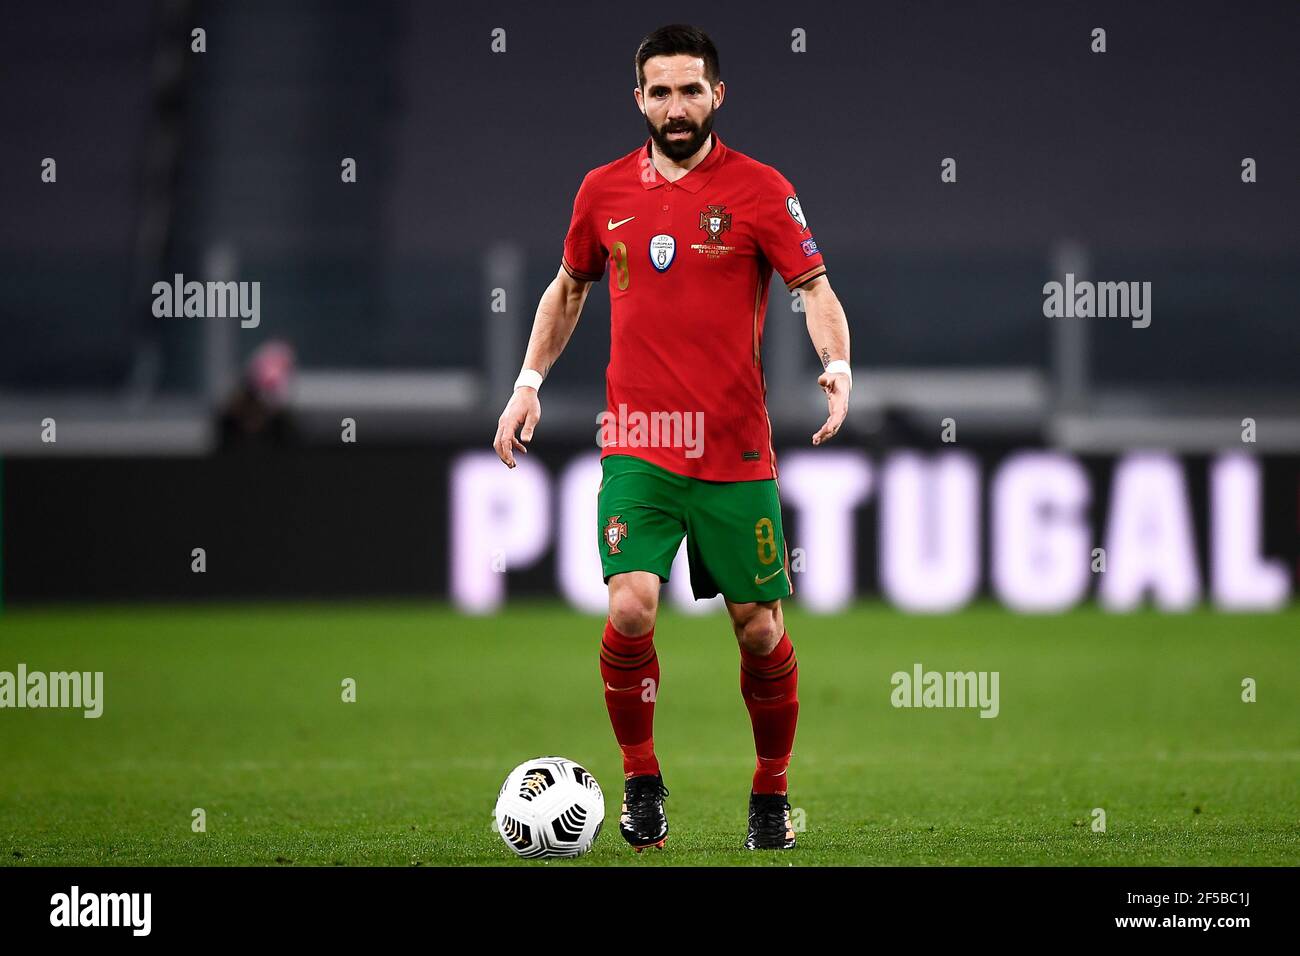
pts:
pixel 630 669
pixel 770 687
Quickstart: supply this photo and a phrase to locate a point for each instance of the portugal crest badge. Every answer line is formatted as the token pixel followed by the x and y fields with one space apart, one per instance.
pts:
pixel 615 532
pixel 715 222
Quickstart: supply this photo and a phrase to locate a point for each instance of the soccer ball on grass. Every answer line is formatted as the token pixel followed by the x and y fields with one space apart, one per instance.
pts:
pixel 550 807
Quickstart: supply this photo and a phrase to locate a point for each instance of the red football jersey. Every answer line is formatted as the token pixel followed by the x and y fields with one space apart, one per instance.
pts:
pixel 690 262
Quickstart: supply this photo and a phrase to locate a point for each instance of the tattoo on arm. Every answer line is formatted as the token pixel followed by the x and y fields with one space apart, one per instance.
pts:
pixel 826 357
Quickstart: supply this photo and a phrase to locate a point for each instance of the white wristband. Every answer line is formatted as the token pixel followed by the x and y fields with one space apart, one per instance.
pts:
pixel 840 366
pixel 529 378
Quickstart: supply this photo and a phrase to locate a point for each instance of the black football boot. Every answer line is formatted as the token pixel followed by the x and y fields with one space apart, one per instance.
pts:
pixel 643 823
pixel 769 822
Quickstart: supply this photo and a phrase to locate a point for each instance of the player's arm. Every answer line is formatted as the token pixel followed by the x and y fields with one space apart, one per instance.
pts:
pixel 787 243
pixel 557 315
pixel 828 327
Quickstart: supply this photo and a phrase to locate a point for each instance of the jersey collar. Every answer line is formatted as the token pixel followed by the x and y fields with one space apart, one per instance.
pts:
pixel 693 181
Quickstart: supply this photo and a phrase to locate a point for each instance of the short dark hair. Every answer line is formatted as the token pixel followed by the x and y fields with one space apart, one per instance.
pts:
pixel 679 38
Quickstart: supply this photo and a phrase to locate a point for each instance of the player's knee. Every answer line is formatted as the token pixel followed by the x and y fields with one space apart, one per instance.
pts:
pixel 631 611
pixel 759 630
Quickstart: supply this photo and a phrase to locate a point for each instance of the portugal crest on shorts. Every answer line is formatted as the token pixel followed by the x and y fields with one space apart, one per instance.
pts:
pixel 615 532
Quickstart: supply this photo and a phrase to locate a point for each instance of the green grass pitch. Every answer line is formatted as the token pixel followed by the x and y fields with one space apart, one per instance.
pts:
pixel 238 710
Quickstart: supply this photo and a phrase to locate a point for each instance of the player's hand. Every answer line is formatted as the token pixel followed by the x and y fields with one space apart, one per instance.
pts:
pixel 836 386
pixel 523 409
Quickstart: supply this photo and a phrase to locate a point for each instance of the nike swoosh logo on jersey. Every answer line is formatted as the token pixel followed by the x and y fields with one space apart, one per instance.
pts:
pixel 611 224
pixel 758 580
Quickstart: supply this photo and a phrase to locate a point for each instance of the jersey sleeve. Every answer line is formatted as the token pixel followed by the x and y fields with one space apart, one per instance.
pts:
pixel 584 256
pixel 783 233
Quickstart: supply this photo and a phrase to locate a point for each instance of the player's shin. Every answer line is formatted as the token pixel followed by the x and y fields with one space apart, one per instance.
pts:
pixel 629 668
pixel 770 687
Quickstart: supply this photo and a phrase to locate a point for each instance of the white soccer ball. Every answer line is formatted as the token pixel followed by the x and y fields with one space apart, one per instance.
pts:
pixel 550 807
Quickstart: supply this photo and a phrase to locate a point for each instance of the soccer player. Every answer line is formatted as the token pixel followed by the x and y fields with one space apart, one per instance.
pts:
pixel 691 230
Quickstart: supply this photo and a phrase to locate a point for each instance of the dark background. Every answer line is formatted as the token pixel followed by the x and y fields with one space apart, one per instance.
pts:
pixel 1134 153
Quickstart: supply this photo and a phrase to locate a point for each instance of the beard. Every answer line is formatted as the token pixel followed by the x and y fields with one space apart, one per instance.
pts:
pixel 679 149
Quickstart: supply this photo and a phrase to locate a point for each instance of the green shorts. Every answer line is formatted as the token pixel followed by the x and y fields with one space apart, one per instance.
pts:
pixel 734 542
